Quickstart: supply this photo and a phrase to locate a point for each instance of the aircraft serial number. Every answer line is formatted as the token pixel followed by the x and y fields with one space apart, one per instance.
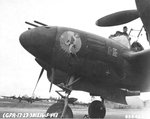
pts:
pixel 25 115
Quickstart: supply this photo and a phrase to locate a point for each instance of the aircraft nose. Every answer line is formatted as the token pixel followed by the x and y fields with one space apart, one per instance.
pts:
pixel 39 41
pixel 24 39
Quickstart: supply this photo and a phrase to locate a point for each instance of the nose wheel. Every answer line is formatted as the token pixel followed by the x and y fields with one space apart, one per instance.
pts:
pixel 60 109
pixel 97 109
pixel 57 111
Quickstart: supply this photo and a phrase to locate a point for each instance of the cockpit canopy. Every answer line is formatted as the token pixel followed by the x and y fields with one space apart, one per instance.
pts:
pixel 125 41
pixel 122 39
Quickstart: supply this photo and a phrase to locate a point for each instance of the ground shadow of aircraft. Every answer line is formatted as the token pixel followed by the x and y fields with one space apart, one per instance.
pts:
pixel 77 60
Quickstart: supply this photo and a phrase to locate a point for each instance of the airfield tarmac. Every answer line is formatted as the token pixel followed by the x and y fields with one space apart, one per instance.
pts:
pixel 8 107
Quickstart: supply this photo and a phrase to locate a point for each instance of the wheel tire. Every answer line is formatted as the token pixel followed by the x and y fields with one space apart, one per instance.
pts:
pixel 96 109
pixel 55 111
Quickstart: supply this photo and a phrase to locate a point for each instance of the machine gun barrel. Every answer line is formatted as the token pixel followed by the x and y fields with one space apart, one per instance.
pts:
pixel 40 23
pixel 31 24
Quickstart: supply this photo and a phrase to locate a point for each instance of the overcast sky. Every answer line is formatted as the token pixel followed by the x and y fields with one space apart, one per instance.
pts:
pixel 18 69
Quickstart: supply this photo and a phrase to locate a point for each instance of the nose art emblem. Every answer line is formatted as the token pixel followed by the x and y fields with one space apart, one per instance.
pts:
pixel 70 42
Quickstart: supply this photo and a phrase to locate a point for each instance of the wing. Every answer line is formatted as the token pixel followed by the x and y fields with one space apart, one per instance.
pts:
pixel 139 60
pixel 140 66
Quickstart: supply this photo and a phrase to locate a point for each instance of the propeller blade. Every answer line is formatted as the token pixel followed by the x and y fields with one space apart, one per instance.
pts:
pixel 42 70
pixel 118 18
pixel 51 78
pixel 144 10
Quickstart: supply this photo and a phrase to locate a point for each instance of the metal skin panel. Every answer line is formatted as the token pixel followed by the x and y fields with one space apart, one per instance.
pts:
pixel 104 66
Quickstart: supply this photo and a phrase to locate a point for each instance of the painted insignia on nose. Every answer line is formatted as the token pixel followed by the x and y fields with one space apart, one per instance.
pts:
pixel 70 42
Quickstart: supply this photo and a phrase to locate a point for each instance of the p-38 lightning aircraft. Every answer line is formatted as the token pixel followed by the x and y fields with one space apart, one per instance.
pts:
pixel 77 60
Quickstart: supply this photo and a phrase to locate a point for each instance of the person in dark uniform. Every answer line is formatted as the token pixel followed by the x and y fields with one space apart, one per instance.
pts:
pixel 125 29
pixel 119 33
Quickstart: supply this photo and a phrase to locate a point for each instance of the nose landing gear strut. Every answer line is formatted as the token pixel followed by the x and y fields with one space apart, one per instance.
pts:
pixel 62 109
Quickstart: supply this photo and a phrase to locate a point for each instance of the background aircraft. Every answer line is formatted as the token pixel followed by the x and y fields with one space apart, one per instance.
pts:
pixel 77 60
pixel 32 99
pixel 10 97
pixel 26 98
